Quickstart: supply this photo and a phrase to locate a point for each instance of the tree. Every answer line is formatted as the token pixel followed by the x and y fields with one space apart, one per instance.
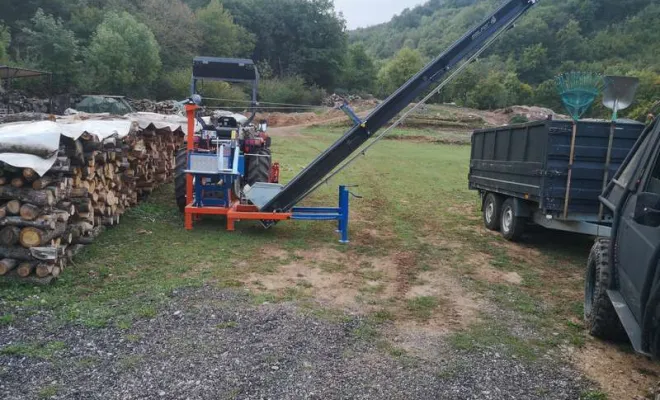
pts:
pixel 16 12
pixel 5 40
pixel 175 28
pixel 359 71
pixel 195 4
pixel 398 70
pixel 221 37
pixel 571 42
pixel 122 56
pixel 489 94
pixel 533 63
pixel 296 37
pixel 51 47
pixel 84 21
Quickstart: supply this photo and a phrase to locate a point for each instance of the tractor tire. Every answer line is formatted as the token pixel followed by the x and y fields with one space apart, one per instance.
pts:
pixel 492 211
pixel 180 179
pixel 600 317
pixel 259 167
pixel 512 226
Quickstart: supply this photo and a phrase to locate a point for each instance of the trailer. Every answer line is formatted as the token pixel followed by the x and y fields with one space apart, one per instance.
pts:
pixel 521 173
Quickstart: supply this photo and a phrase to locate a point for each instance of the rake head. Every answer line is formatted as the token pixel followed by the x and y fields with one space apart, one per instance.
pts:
pixel 578 91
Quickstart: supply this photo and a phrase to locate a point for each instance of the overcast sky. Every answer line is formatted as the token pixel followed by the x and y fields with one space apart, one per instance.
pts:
pixel 362 13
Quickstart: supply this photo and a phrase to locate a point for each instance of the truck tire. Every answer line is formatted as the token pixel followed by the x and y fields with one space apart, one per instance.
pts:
pixel 600 317
pixel 512 226
pixel 259 167
pixel 491 211
pixel 180 179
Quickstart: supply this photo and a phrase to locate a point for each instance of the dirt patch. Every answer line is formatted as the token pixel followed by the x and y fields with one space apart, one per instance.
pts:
pixel 341 280
pixel 320 255
pixel 492 275
pixel 622 375
pixel 443 244
pixel 457 310
pixel 363 284
pixel 328 288
pixel 520 252
pixel 277 119
pixel 275 253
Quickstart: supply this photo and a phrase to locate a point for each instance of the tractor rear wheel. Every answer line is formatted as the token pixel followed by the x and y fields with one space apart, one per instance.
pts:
pixel 180 179
pixel 259 167
pixel 601 319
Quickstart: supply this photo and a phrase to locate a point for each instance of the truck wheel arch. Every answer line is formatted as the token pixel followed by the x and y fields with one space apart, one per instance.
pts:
pixel 600 317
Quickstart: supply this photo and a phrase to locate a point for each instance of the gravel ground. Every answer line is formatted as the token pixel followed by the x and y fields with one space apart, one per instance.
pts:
pixel 214 344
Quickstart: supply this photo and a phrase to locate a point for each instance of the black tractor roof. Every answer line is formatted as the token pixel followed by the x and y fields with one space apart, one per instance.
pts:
pixel 225 69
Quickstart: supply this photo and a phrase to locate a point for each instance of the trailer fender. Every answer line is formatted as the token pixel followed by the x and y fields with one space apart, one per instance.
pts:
pixel 521 208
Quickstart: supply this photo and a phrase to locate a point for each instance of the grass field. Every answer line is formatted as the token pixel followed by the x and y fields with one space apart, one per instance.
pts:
pixel 419 259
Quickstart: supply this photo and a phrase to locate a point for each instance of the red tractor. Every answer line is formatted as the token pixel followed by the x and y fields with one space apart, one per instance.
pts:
pixel 228 129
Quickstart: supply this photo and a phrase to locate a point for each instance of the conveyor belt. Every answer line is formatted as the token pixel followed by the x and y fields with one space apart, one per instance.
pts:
pixel 351 141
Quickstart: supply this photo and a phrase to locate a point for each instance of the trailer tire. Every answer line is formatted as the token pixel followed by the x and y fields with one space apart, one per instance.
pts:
pixel 512 226
pixel 180 179
pixel 600 317
pixel 259 167
pixel 491 211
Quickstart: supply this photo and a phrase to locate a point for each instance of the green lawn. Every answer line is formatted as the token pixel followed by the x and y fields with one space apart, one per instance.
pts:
pixel 416 210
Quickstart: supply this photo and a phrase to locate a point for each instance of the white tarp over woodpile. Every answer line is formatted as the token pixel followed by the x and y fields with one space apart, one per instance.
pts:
pixel 36 144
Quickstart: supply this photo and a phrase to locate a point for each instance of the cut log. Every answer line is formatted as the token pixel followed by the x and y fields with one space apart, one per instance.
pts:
pixel 6 265
pixel 42 183
pixel 29 174
pixel 18 182
pixel 33 237
pixel 29 212
pixel 43 270
pixel 3 180
pixel 9 235
pixel 3 211
pixel 46 253
pixel 20 222
pixel 61 215
pixel 66 206
pixel 73 193
pixel 14 207
pixel 82 204
pixel 17 253
pixel 36 197
pixel 26 268
pixel 91 236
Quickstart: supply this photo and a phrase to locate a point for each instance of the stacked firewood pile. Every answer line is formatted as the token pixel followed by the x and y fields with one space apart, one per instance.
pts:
pixel 45 221
pixel 12 102
pixel 168 107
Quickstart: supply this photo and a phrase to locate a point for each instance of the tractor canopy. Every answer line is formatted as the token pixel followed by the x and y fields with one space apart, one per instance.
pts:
pixel 232 70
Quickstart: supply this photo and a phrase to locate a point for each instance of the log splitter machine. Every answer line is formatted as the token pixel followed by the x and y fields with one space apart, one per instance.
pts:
pixel 226 168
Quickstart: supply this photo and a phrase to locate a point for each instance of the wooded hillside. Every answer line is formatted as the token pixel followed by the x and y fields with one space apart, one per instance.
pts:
pixel 145 48
pixel 606 36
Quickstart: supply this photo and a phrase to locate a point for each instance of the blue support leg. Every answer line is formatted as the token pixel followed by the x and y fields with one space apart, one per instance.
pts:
pixel 343 213
pixel 339 214
pixel 339 200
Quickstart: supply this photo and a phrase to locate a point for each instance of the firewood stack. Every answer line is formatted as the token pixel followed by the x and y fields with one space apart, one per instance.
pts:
pixel 45 221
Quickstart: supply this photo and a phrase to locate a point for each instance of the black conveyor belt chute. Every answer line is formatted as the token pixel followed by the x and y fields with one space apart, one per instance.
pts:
pixel 352 140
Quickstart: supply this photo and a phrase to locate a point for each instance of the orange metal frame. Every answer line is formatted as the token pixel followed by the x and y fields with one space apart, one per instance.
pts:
pixel 234 213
